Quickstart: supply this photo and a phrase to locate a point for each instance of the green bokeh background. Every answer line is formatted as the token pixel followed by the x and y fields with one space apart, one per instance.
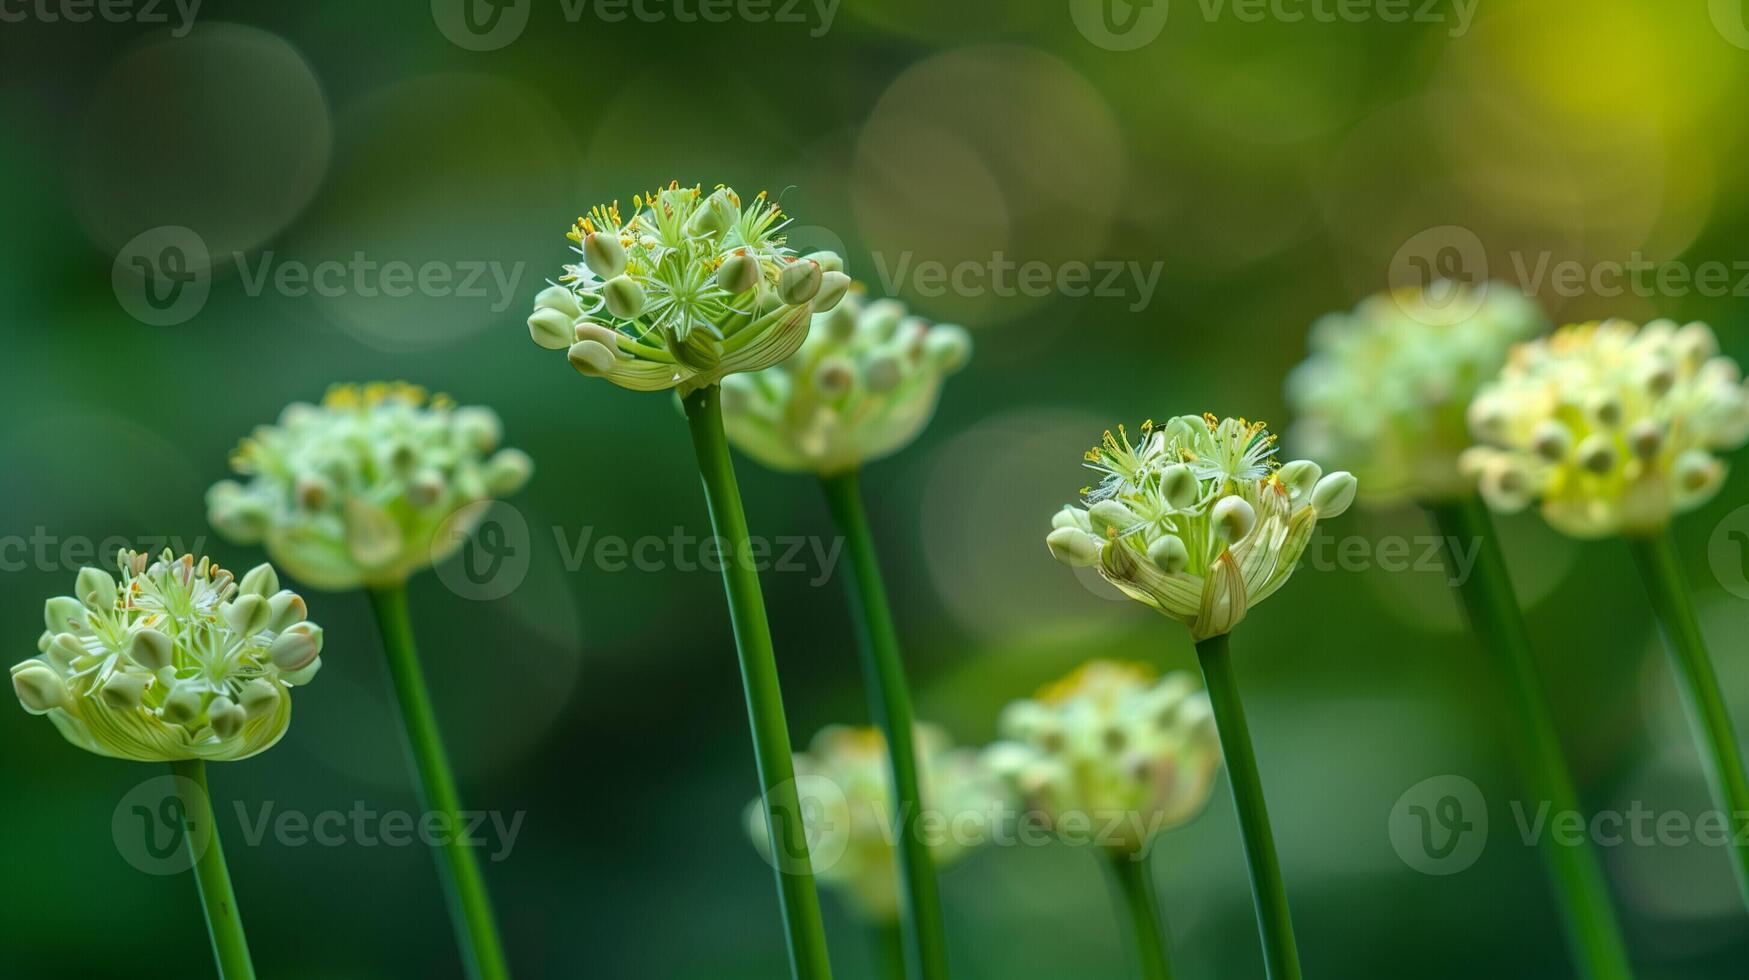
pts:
pixel 1272 167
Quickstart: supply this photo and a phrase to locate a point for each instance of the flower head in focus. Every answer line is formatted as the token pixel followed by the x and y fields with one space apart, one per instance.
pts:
pixel 687 289
pixel 862 386
pixel 1128 754
pixel 176 660
pixel 851 832
pixel 368 487
pixel 1197 519
pixel 1385 388
pixel 1613 428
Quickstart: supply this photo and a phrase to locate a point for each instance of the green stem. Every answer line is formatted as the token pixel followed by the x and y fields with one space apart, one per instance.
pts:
pixel 1281 958
pixel 803 929
pixel 890 701
pixel 470 910
pixel 224 924
pixel 1707 714
pixel 1135 888
pixel 1581 889
pixel 888 941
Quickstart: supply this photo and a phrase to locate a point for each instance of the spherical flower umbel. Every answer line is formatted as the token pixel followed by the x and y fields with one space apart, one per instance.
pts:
pixel 1197 519
pixel 690 288
pixel 1386 385
pixel 850 823
pixel 1111 752
pixel 862 386
pixel 368 487
pixel 1613 428
pixel 176 660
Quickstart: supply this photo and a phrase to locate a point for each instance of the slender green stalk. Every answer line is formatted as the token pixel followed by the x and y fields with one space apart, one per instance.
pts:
pixel 470 910
pixel 799 902
pixel 890 701
pixel 1281 958
pixel 1581 889
pixel 1135 887
pixel 224 924
pixel 888 941
pixel 1711 721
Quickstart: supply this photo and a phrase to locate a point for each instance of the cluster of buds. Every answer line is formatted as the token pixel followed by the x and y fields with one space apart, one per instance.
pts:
pixel 368 487
pixel 1198 520
pixel 1385 387
pixel 691 288
pixel 862 386
pixel 1613 428
pixel 1113 748
pixel 176 661
pixel 849 818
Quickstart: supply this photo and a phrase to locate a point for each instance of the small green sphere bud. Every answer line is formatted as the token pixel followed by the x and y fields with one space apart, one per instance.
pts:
pixel 123 690
pixel 1552 440
pixel 559 298
pixel 1170 554
pixel 1071 516
pixel 38 687
pixel 834 376
pixel 799 282
pixel 259 697
pixel 60 612
pixel 313 491
pixel 1605 409
pixel 1073 546
pixel 603 254
pixel 288 608
pixel 96 588
pixel 247 614
pixel 296 647
pixel 833 286
pixel 883 372
pixel 1333 494
pixel 625 298
pixel 591 357
pixel 839 323
pixel 261 580
pixel 1108 518
pixel 738 273
pixel 551 328
pixel 506 472
pixel 1694 344
pixel 65 650
pixel 948 347
pixel 226 717
pixel 1697 472
pixel 151 649
pixel 602 334
pixel 1299 476
pixel 1181 487
pixel 1646 438
pixel 425 488
pixel 183 704
pixel 881 319
pixel 303 676
pixel 827 260
pixel 1234 517
pixel 1596 454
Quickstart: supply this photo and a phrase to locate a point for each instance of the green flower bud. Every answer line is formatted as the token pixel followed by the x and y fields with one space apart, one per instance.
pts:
pixel 1646 438
pixel 559 298
pixel 1552 440
pixel 948 347
pixel 183 704
pixel 151 649
pixel 591 357
pixel 625 298
pixel 293 649
pixel 1073 546
pixel 738 273
pixel 259 697
pixel 799 282
pixel 839 323
pixel 247 614
pixel 1697 472
pixel 1605 409
pixel 226 717
pixel 288 608
pixel 1596 454
pixel 881 319
pixel 1108 518
pixel 61 612
pixel 827 261
pixel 506 472
pixel 313 491
pixel 1333 494
pixel 65 650
pixel 1170 554
pixel 476 427
pixel 833 286
pixel 1234 517
pixel 96 588
pixel 1179 485
pixel 261 580
pixel 834 376
pixel 551 328
pixel 603 254
pixel 38 687
pixel 242 518
pixel 1299 476
pixel 882 372
pixel 123 690
pixel 425 488
pixel 298 678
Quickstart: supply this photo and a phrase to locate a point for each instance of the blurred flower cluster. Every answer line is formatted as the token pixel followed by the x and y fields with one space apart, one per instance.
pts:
pixel 368 487
pixel 862 385
pixel 1384 390
pixel 850 829
pixel 1613 428
pixel 176 661
pixel 1197 519
pixel 1111 740
pixel 688 289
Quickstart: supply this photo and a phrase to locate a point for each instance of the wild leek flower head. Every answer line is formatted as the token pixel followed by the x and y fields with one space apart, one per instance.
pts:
pixel 1197 519
pixel 851 832
pixel 1385 388
pixel 368 487
pixel 1111 751
pixel 1613 428
pixel 175 660
pixel 688 288
pixel 862 386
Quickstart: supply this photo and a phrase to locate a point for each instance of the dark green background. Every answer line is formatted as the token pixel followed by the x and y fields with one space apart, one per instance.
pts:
pixel 1273 168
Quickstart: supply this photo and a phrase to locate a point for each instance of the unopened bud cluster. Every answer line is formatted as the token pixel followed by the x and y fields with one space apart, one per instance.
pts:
pixel 1613 428
pixel 1197 519
pixel 690 288
pixel 368 487
pixel 862 386
pixel 1108 740
pixel 175 660
pixel 1384 390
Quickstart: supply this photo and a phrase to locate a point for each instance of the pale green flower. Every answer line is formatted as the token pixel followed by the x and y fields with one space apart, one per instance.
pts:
pixel 1385 388
pixel 175 661
pixel 690 288
pixel 1111 753
pixel 862 386
pixel 850 824
pixel 1614 428
pixel 1197 520
pixel 367 488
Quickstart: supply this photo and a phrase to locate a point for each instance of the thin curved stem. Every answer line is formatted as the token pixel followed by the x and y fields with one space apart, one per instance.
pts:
pixel 890 701
pixel 1575 872
pixel 800 904
pixel 1281 957
pixel 470 910
pixel 1141 907
pixel 1711 720
pixel 224 924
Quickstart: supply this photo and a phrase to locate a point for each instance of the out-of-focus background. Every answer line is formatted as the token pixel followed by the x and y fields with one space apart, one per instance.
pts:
pixel 1212 175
